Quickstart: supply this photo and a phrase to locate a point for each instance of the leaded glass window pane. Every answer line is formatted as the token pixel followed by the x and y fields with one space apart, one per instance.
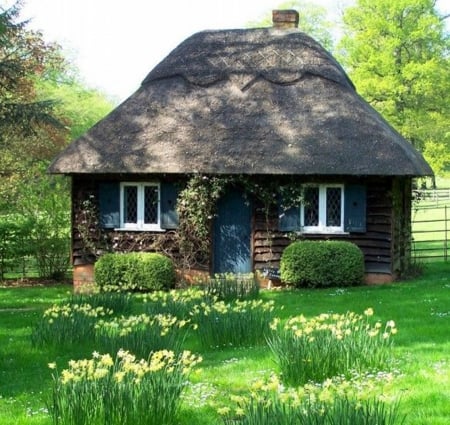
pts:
pixel 334 206
pixel 311 209
pixel 151 204
pixel 130 204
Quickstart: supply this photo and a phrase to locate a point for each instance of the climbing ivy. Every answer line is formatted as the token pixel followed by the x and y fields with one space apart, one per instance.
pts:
pixel 197 207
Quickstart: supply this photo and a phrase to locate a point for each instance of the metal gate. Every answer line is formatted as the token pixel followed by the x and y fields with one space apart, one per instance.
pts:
pixel 431 224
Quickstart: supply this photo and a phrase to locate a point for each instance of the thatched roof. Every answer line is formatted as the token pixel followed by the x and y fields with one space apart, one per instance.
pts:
pixel 256 101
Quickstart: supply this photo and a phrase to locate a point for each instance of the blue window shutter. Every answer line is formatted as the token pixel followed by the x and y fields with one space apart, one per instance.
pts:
pixel 355 208
pixel 289 219
pixel 109 205
pixel 169 214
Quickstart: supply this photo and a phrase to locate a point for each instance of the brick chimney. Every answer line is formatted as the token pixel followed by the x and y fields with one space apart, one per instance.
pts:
pixel 285 18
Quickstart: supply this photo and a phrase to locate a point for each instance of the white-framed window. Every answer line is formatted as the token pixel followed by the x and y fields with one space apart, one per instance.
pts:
pixel 140 206
pixel 322 209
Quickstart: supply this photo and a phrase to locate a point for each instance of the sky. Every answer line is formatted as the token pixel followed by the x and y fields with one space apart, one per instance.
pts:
pixel 115 43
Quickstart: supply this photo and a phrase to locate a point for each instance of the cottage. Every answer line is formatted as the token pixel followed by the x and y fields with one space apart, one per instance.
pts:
pixel 262 109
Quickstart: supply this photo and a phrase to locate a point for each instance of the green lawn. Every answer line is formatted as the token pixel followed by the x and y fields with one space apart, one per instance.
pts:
pixel 420 308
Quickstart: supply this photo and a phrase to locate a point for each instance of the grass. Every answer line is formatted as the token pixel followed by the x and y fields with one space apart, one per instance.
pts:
pixel 420 308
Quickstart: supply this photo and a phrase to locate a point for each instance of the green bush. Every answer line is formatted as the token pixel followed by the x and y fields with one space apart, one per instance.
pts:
pixel 322 263
pixel 135 271
pixel 15 231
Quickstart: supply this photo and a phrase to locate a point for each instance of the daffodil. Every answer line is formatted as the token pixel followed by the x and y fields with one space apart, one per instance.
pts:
pixel 223 411
pixel 390 324
pixel 368 312
pixel 240 412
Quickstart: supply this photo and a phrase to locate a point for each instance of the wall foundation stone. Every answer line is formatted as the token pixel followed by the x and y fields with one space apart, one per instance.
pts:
pixel 83 277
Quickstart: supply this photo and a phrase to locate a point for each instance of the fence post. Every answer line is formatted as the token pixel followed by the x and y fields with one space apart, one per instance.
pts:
pixel 445 238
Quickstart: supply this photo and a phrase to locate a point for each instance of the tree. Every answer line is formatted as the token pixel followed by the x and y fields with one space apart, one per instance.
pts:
pixel 23 57
pixel 397 54
pixel 312 20
pixel 43 105
pixel 78 105
pixel 29 129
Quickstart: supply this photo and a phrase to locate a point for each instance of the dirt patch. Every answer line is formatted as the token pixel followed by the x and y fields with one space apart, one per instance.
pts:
pixel 32 281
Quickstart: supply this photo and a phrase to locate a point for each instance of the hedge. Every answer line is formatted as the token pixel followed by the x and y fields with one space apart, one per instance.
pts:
pixel 135 271
pixel 322 264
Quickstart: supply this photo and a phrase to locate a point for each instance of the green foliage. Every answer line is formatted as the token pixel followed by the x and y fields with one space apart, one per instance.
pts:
pixel 40 205
pixel 45 204
pixel 15 232
pixel 135 271
pixel 79 106
pixel 237 324
pixel 109 271
pixel 40 228
pixel 23 57
pixel 118 302
pixel 41 102
pixel 230 287
pixel 141 334
pixel 151 271
pixel 437 152
pixel 30 131
pixel 196 207
pixel 65 325
pixel 124 391
pixel 271 403
pixel 397 54
pixel 177 302
pixel 322 263
pixel 328 346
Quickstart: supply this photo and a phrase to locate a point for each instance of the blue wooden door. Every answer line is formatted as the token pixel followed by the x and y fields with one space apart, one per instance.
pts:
pixel 232 233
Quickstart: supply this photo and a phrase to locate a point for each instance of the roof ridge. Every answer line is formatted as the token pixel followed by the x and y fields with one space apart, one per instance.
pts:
pixel 281 56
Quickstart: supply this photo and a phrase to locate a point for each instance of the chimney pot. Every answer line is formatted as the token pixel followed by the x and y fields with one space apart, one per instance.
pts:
pixel 285 18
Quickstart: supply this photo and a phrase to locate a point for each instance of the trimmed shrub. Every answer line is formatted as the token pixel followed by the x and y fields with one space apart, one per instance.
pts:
pixel 322 263
pixel 135 271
